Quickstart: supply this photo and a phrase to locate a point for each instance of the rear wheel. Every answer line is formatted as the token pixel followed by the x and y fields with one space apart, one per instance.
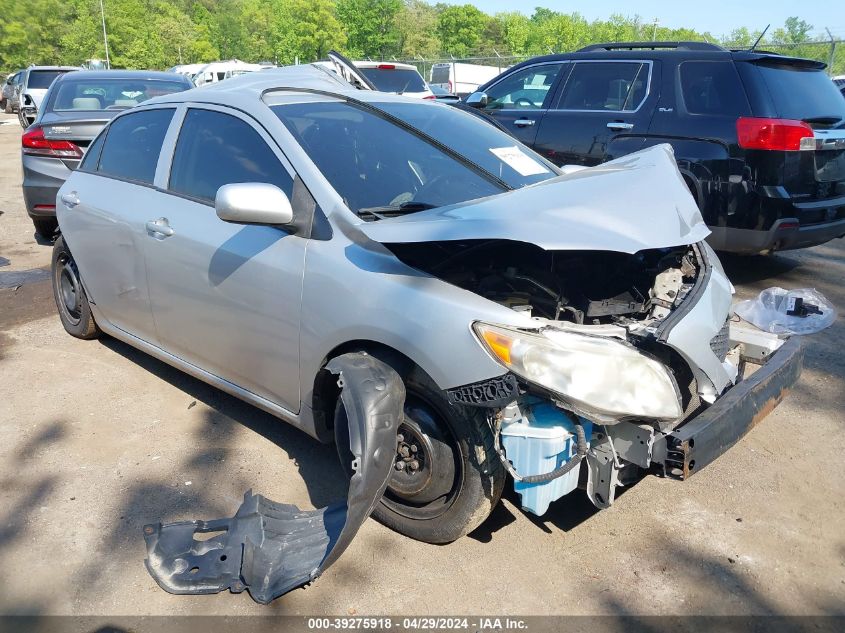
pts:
pixel 447 478
pixel 73 306
pixel 4 103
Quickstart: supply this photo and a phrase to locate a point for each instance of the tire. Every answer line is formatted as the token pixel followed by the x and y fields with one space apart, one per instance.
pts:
pixel 71 301
pixel 7 107
pixel 446 437
pixel 45 227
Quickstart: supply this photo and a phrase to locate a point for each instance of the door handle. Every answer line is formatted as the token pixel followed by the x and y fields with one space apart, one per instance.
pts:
pixel 619 125
pixel 70 200
pixel 523 122
pixel 159 228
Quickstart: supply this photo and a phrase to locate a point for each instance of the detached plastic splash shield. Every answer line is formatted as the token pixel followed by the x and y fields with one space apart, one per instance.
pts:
pixel 271 548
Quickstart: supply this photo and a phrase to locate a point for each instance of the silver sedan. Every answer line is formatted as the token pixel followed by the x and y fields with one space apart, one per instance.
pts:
pixel 542 322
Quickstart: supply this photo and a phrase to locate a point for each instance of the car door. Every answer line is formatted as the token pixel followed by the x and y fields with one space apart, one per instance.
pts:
pixel 519 100
pixel 102 211
pixel 601 111
pixel 226 297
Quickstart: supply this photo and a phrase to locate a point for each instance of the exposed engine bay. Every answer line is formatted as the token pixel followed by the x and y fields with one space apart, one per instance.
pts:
pixel 582 287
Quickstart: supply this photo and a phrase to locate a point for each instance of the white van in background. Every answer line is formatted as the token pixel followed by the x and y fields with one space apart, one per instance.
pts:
pixel 188 70
pixel 218 71
pixel 461 78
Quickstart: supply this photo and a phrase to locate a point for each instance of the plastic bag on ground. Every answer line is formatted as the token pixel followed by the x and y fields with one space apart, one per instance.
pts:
pixel 779 311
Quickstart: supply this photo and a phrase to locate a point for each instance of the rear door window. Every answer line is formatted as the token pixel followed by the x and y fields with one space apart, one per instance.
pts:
pixel 712 87
pixel 526 89
pixel 133 143
pixel 605 86
pixel 92 154
pixel 216 149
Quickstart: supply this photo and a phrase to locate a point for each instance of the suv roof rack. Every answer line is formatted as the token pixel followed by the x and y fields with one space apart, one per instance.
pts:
pixel 685 46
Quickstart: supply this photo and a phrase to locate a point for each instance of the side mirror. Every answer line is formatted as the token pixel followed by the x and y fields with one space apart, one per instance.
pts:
pixel 477 100
pixel 253 203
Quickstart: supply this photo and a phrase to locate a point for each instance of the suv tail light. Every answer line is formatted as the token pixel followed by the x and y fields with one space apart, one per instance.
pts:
pixel 429 97
pixel 386 67
pixel 783 135
pixel 34 144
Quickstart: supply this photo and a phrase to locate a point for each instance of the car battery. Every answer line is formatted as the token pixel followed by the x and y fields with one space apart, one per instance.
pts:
pixel 539 441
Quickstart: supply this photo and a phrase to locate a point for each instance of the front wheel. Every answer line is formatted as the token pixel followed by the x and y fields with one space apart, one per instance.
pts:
pixel 73 306
pixel 447 478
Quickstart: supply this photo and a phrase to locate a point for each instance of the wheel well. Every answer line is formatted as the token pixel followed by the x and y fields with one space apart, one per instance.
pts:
pixel 326 391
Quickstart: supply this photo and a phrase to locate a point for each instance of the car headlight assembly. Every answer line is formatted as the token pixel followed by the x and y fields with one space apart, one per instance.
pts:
pixel 599 377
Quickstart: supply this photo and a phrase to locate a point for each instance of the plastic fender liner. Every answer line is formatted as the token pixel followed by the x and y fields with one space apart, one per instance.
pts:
pixel 271 548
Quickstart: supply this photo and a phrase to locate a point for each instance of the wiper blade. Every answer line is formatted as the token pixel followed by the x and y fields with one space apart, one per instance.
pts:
pixel 384 212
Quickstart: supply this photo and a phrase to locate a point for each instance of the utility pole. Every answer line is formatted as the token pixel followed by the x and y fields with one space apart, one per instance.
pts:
pixel 654 30
pixel 105 37
pixel 832 52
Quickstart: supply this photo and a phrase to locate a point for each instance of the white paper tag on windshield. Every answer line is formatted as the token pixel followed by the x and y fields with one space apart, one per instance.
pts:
pixel 521 162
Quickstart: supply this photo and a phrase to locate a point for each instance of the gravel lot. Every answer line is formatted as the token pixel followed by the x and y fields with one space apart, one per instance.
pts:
pixel 99 439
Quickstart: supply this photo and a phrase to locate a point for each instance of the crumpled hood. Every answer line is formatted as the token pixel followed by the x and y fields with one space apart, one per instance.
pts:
pixel 636 202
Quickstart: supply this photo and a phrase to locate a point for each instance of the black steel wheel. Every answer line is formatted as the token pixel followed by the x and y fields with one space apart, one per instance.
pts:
pixel 447 478
pixel 71 302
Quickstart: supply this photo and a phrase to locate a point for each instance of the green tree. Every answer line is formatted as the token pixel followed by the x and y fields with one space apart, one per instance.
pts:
pixel 416 28
pixel 370 26
pixel 461 29
pixel 306 30
pixel 516 32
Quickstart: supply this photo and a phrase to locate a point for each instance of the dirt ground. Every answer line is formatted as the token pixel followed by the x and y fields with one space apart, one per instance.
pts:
pixel 97 439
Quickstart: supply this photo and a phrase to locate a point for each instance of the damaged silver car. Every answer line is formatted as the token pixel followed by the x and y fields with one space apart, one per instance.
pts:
pixel 564 329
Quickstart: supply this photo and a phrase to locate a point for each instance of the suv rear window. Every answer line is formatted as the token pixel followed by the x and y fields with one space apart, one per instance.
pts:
pixel 394 79
pixel 712 87
pixel 41 79
pixel 801 93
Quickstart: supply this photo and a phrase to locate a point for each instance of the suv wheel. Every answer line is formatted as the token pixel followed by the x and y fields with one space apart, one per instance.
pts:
pixel 447 478
pixel 74 309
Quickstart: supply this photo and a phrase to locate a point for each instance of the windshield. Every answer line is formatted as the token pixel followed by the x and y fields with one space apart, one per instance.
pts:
pixel 41 79
pixel 108 94
pixel 381 169
pixel 801 93
pixel 394 79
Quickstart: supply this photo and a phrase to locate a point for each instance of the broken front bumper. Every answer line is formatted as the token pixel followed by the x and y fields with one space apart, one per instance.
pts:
pixel 691 446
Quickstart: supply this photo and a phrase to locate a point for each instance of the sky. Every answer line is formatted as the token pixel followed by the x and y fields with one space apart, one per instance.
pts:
pixel 719 17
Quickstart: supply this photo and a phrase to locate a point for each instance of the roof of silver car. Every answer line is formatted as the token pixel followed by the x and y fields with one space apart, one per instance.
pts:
pixel 248 88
